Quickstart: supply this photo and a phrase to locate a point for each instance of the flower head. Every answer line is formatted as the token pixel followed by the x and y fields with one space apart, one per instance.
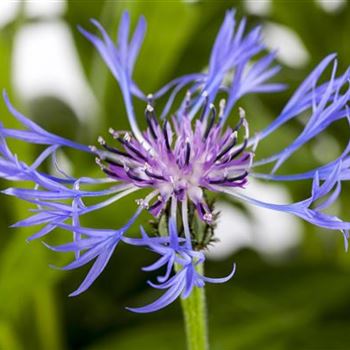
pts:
pixel 186 152
pixel 179 160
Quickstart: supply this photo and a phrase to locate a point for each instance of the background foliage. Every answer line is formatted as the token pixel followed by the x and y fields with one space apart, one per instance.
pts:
pixel 299 301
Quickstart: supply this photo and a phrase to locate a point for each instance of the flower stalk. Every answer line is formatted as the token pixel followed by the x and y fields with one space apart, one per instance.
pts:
pixel 194 310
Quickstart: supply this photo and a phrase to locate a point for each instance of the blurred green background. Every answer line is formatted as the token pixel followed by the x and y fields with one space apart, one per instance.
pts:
pixel 296 298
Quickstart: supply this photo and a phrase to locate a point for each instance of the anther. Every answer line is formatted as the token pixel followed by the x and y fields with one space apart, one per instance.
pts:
pixel 93 149
pixel 208 217
pixel 222 106
pixel 150 99
pixel 241 112
pixel 204 213
pixel 101 141
pixel 246 127
pixel 113 133
pixel 99 163
pixel 127 137
pixel 149 108
pixel 142 203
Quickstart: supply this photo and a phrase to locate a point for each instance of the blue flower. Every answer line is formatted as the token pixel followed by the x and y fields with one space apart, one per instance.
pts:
pixel 180 158
pixel 175 254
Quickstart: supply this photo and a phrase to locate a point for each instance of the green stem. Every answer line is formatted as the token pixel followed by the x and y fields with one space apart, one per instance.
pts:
pixel 195 318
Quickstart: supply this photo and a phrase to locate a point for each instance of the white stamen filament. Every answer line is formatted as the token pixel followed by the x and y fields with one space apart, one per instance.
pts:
pixel 185 221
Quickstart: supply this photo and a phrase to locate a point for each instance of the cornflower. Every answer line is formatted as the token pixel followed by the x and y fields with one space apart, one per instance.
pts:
pixel 186 152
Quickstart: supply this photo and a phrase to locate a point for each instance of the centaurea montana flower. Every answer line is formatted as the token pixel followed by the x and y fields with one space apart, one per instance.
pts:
pixel 180 157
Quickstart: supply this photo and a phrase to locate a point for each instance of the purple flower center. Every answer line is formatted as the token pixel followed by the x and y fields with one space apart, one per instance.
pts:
pixel 180 159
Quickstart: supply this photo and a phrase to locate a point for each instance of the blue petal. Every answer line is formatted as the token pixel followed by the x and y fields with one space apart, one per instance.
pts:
pixel 97 268
pixel 167 298
pixel 222 279
pixel 42 135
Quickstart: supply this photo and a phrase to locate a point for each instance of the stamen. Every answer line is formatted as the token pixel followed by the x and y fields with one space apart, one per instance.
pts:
pixel 188 152
pixel 166 136
pixel 150 174
pixel 150 118
pixel 228 179
pixel 187 102
pixel 244 121
pixel 93 149
pixel 154 208
pixel 241 120
pixel 142 203
pixel 105 169
pixel 237 178
pixel 99 163
pixel 239 150
pixel 114 133
pixel 245 157
pixel 228 147
pixel 205 106
pixel 128 145
pixel 150 99
pixel 211 120
pixel 150 110
pixel 127 137
pixel 116 151
pixel 241 112
pixel 101 141
pixel 222 105
pixel 208 217
pixel 134 177
pixel 110 173
pixel 113 162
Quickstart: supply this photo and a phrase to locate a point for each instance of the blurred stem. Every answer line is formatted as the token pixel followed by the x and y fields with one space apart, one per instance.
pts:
pixel 195 318
pixel 47 319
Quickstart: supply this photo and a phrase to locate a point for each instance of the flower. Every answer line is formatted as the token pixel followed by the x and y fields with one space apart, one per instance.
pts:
pixel 184 154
